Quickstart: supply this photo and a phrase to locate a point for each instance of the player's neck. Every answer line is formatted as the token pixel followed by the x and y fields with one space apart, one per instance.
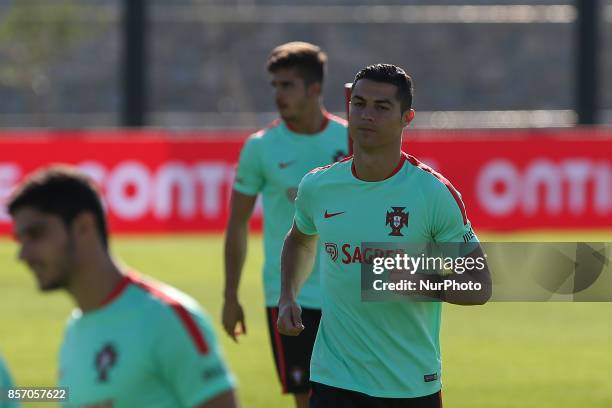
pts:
pixel 375 165
pixel 94 281
pixel 310 122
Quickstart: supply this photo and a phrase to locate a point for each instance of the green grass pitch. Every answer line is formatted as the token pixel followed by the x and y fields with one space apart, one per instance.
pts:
pixel 499 355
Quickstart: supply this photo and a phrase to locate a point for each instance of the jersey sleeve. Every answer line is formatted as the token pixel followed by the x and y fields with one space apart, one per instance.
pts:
pixel 191 360
pixel 303 207
pixel 450 222
pixel 249 174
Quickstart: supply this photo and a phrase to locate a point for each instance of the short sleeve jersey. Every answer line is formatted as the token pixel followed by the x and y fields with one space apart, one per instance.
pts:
pixel 272 162
pixel 149 345
pixel 383 349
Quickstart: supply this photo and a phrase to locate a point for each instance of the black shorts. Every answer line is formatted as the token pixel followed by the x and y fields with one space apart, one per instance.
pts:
pixel 292 353
pixel 324 396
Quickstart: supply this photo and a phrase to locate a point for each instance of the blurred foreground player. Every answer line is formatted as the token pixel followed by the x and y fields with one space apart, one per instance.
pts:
pixel 272 162
pixel 374 354
pixel 5 383
pixel 131 342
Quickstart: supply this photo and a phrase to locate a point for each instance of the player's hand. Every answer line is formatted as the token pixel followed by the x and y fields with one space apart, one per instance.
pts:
pixel 233 319
pixel 289 318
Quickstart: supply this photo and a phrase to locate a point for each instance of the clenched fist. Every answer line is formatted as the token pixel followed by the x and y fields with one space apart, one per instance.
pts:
pixel 289 318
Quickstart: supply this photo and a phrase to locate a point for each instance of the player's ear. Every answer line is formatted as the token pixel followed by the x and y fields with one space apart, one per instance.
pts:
pixel 84 225
pixel 408 116
pixel 314 89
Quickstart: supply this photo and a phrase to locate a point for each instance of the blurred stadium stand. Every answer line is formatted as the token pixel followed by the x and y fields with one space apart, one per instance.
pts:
pixel 474 64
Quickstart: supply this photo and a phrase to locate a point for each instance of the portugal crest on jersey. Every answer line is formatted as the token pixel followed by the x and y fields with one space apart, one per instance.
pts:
pixel 397 219
pixel 105 360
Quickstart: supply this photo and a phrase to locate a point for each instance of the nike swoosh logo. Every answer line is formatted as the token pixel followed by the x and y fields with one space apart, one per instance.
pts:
pixel 329 215
pixel 282 165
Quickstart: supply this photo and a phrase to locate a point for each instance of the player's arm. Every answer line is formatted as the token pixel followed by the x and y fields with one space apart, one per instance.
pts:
pixel 473 276
pixel 297 260
pixel 225 400
pixel 190 361
pixel 248 183
pixel 452 227
pixel 236 236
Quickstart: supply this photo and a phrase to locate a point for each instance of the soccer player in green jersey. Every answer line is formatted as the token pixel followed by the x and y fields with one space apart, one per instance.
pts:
pixel 374 354
pixel 5 383
pixel 132 342
pixel 272 162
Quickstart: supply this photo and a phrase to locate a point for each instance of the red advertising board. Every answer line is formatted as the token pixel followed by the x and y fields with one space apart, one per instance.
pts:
pixel 160 181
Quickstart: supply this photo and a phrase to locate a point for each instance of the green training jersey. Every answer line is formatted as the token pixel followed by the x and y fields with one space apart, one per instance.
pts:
pixel 383 349
pixel 5 383
pixel 149 345
pixel 272 162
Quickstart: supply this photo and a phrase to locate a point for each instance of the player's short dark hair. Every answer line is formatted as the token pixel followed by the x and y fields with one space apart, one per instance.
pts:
pixel 61 191
pixel 307 59
pixel 390 74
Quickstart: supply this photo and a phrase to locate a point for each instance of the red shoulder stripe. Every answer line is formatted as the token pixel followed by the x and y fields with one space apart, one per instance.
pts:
pixel 269 126
pixel 335 118
pixel 320 168
pixel 115 293
pixel 347 158
pixel 444 180
pixel 184 315
pixel 273 124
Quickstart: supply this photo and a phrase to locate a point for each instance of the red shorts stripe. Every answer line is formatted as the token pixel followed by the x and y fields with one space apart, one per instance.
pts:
pixel 281 351
pixel 192 328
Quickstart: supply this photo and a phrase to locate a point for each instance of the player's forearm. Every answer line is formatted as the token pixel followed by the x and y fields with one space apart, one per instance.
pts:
pixel 235 255
pixel 297 261
pixel 441 288
pixel 478 290
pixel 477 281
pixel 470 287
pixel 225 400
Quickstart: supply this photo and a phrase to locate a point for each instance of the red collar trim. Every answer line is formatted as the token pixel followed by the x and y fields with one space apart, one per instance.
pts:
pixel 397 168
pixel 326 117
pixel 118 290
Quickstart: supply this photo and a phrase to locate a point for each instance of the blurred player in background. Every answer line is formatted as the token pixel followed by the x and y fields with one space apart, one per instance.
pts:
pixel 272 162
pixel 5 383
pixel 131 342
pixel 373 354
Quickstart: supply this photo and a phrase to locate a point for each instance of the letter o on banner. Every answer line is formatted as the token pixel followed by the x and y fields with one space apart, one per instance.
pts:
pixel 498 201
pixel 94 171
pixel 129 204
